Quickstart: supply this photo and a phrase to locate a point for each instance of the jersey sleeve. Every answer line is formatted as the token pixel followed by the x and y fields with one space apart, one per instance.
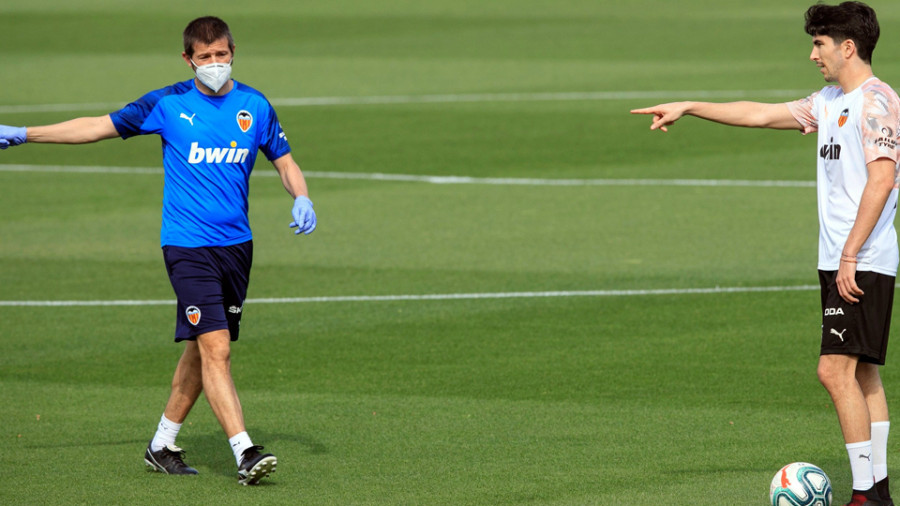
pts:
pixel 143 116
pixel 880 122
pixel 273 142
pixel 804 111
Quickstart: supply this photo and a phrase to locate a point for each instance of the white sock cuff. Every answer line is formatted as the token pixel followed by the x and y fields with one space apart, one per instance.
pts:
pixel 886 424
pixel 239 442
pixel 166 432
pixel 861 444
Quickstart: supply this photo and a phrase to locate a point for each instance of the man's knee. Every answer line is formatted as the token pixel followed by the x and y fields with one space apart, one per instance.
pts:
pixel 825 373
pixel 215 347
pixel 836 372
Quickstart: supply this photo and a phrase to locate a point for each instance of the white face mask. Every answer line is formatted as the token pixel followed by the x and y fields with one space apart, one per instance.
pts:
pixel 213 75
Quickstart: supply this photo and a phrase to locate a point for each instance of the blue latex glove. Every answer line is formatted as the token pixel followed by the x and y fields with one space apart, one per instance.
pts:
pixel 11 136
pixel 304 216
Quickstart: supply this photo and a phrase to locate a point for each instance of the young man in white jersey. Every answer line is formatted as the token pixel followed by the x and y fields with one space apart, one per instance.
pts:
pixel 212 128
pixel 857 121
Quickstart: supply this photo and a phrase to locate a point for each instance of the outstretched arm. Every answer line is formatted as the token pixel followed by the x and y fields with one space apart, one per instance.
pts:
pixel 743 114
pixel 76 131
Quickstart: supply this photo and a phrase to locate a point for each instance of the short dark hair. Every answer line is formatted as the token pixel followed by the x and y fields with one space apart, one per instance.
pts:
pixel 206 30
pixel 849 20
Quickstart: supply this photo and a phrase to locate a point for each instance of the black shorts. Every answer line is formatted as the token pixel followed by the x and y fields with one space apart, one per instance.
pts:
pixel 211 285
pixel 857 329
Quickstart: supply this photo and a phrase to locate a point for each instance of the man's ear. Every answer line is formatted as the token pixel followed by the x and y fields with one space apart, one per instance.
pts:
pixel 848 48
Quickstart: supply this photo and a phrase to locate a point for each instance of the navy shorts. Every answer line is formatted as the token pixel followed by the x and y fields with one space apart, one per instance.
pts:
pixel 211 285
pixel 860 329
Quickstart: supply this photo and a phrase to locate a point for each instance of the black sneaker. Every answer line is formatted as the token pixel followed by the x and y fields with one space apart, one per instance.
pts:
pixel 865 498
pixel 255 466
pixel 168 460
pixel 884 491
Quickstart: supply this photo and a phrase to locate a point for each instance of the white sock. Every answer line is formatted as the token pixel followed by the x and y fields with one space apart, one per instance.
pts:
pixel 239 442
pixel 165 434
pixel 879 449
pixel 861 465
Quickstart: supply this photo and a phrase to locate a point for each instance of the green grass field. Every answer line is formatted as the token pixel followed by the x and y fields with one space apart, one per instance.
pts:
pixel 454 341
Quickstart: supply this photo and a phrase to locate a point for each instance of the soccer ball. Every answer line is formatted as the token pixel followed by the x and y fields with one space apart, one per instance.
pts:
pixel 800 484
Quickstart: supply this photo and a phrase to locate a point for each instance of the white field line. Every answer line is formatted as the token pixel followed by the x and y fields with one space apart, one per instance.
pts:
pixel 428 297
pixel 450 98
pixel 508 181
pixel 504 181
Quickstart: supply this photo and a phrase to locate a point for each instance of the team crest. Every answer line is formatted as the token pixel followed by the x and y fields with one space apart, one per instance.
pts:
pixel 843 119
pixel 244 120
pixel 193 314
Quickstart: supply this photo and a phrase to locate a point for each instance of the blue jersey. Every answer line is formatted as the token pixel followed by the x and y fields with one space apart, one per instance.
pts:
pixel 209 147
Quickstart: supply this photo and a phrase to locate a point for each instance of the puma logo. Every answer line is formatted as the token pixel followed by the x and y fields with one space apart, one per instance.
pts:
pixel 839 334
pixel 867 457
pixel 189 118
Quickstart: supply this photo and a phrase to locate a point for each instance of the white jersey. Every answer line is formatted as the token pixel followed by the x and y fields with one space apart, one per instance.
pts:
pixel 854 129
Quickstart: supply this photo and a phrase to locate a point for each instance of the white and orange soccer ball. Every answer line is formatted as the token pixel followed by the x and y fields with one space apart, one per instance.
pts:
pixel 800 484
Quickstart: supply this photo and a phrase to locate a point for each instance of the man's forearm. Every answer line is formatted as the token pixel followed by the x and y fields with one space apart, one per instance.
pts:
pixel 76 131
pixel 744 114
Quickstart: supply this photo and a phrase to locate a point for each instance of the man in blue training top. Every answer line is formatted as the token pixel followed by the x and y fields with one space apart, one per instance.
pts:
pixel 212 128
